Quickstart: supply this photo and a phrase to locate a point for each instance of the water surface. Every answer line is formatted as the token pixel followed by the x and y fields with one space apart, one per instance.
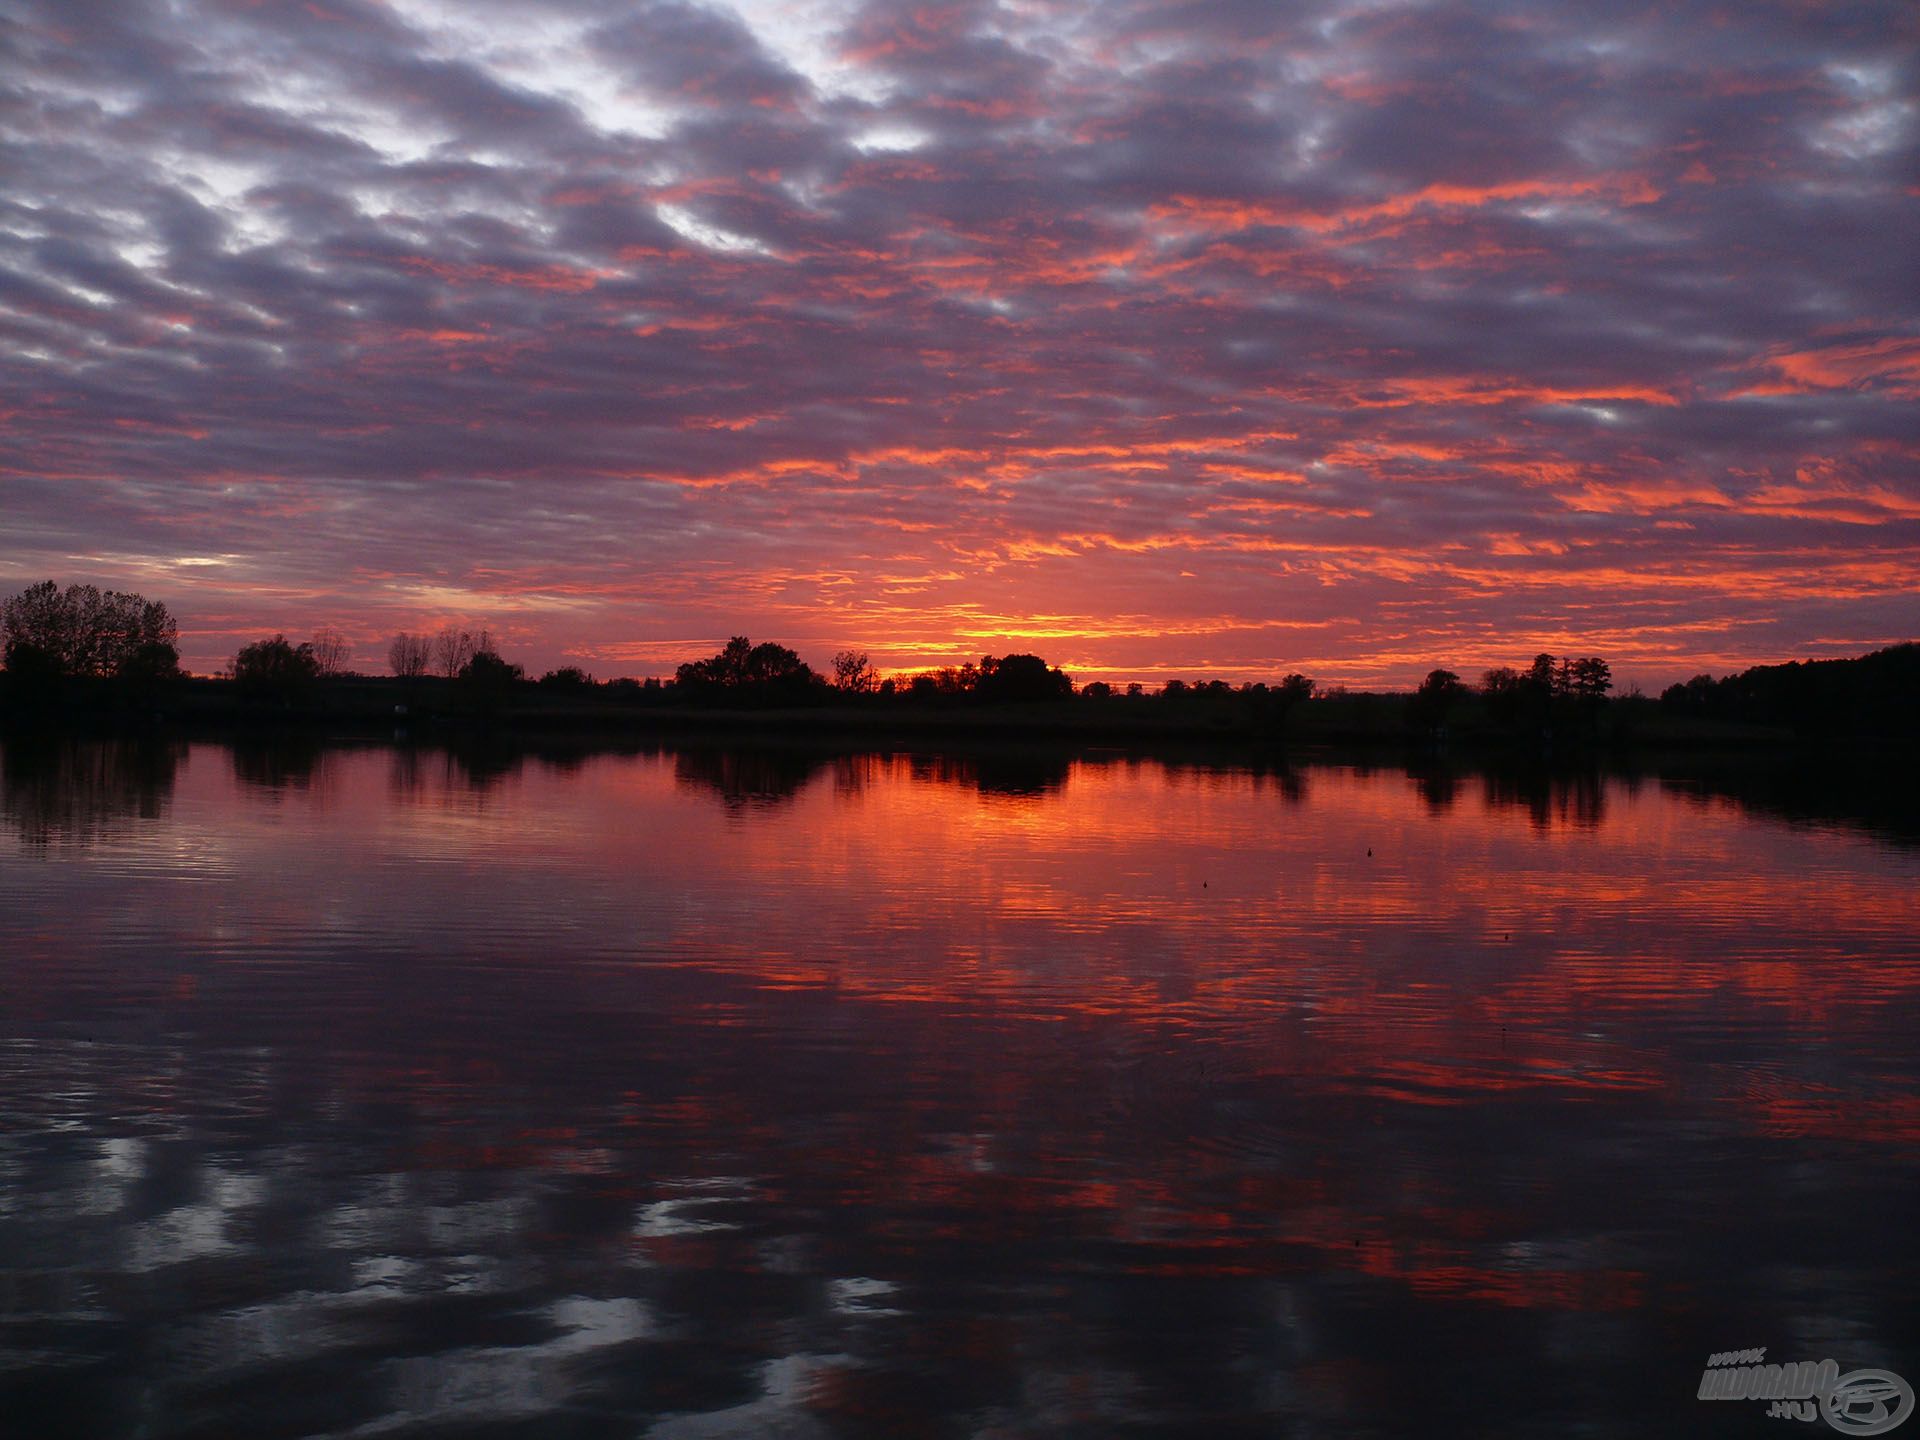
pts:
pixel 704 1092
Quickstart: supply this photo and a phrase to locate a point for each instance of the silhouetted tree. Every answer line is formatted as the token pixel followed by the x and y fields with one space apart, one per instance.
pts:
pixel 1591 678
pixel 727 669
pixel 569 678
pixel 1503 689
pixel 274 669
pixel 487 665
pixel 1293 691
pixel 1695 697
pixel 152 665
pixel 453 648
pixel 1021 678
pixel 331 651
pixel 410 656
pixel 748 671
pixel 86 632
pixel 1097 690
pixel 775 665
pixel 488 678
pixel 32 669
pixel 852 673
pixel 1541 673
pixel 1436 698
pixel 1296 688
pixel 1553 693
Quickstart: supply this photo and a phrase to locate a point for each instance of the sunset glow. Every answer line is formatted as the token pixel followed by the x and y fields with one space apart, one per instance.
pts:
pixel 1160 338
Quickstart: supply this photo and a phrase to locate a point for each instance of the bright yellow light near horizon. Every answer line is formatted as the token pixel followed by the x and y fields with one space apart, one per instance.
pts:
pixel 480 603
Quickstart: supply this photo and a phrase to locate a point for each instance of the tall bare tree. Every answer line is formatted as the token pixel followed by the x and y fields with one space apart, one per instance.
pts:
pixel 410 656
pixel 452 649
pixel 331 651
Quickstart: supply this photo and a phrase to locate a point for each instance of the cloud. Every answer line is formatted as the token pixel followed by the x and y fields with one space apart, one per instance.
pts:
pixel 1220 338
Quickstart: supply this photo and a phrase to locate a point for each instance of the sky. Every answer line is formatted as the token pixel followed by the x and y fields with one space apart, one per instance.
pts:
pixel 1161 338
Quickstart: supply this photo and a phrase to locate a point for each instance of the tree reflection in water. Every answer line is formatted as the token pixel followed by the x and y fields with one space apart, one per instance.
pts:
pixel 73 794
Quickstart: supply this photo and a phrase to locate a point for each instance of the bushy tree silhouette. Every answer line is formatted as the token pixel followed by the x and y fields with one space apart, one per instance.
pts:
pixel 1591 678
pixel 743 670
pixel 1021 677
pixel 82 631
pixel 1435 700
pixel 275 669
pixel 488 679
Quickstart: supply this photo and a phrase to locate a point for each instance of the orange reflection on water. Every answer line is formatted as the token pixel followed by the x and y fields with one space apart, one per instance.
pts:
pixel 1201 1020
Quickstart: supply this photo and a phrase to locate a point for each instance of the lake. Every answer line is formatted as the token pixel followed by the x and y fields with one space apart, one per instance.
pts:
pixel 706 1092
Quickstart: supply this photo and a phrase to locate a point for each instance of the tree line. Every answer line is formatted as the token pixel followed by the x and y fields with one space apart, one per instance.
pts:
pixel 81 644
pixel 1873 694
pixel 82 632
pixel 80 640
pixel 86 633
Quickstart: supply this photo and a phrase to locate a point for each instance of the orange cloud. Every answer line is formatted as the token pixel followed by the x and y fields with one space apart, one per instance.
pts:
pixel 1891 362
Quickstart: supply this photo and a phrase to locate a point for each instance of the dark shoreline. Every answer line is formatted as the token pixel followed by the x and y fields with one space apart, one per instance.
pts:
pixel 379 707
